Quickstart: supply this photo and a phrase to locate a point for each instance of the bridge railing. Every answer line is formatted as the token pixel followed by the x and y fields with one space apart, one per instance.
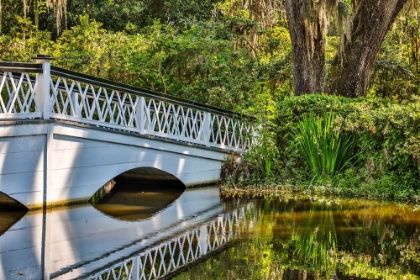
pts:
pixel 39 90
pixel 17 91
pixel 184 249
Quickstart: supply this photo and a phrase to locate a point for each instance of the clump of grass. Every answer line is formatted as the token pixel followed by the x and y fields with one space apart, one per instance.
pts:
pixel 327 151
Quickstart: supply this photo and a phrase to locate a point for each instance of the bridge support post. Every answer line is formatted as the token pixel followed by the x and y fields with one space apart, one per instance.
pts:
pixel 42 92
pixel 203 239
pixel 75 102
pixel 206 129
pixel 141 117
pixel 135 272
pixel 42 95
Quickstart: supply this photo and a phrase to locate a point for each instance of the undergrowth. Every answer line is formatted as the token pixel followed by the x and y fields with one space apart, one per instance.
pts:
pixel 380 160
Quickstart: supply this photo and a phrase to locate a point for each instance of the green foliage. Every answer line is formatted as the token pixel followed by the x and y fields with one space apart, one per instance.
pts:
pixel 237 49
pixel 327 151
pixel 396 72
pixel 385 132
pixel 83 48
pixel 194 64
pixel 16 49
pixel 263 156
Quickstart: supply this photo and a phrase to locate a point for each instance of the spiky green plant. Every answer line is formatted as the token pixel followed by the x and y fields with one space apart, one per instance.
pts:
pixel 316 243
pixel 327 151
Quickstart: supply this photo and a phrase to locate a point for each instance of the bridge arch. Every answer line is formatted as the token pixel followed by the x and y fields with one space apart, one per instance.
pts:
pixel 137 193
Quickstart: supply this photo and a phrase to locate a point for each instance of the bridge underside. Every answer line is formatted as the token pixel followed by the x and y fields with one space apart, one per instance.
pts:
pixel 56 162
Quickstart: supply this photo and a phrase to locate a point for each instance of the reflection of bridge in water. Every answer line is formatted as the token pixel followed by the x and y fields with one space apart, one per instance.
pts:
pixel 82 242
pixel 186 248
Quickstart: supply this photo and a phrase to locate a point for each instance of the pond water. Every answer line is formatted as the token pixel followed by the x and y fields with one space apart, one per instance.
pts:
pixel 318 238
pixel 203 236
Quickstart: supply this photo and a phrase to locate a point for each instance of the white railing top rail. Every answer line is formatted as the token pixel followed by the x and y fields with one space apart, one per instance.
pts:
pixel 39 90
pixel 19 67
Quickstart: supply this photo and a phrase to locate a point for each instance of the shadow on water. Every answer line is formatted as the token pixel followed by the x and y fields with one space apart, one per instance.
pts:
pixel 137 194
pixel 11 211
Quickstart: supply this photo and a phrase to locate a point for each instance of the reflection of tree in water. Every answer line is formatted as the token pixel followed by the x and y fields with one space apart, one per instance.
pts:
pixel 304 239
pixel 316 239
pixel 379 239
pixel 367 239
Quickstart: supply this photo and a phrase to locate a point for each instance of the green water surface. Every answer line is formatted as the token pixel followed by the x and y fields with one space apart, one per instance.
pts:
pixel 318 238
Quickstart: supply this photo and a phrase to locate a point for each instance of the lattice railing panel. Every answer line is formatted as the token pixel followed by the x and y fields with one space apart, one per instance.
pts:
pixel 72 99
pixel 228 132
pixel 170 119
pixel 121 271
pixel 179 251
pixel 60 94
pixel 17 95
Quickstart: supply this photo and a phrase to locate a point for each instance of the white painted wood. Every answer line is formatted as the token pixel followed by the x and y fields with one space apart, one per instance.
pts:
pixel 57 96
pixel 51 162
pixel 149 143
pixel 42 88
pixel 22 167
pixel 85 157
pixel 62 163
pixel 14 130
pixel 13 116
pixel 18 96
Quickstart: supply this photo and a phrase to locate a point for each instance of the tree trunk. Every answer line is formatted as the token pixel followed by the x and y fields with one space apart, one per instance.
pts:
pixel 351 69
pixel 308 47
pixel 36 14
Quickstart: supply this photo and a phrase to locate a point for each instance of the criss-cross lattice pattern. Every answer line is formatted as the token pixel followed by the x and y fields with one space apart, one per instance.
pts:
pixel 89 100
pixel 228 132
pixel 17 96
pixel 182 250
pixel 75 100
pixel 163 118
pixel 107 107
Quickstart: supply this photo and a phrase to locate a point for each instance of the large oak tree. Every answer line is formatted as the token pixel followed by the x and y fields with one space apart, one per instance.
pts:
pixel 362 26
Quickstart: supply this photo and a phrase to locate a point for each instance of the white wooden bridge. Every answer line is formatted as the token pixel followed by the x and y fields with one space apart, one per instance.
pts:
pixel 63 134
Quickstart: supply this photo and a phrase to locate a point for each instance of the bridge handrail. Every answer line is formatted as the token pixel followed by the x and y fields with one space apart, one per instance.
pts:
pixel 63 94
pixel 20 67
pixel 142 92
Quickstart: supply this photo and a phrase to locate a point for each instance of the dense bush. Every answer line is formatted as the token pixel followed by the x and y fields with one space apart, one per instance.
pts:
pixel 387 135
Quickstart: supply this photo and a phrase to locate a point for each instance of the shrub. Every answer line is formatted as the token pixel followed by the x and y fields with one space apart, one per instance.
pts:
pixel 385 132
